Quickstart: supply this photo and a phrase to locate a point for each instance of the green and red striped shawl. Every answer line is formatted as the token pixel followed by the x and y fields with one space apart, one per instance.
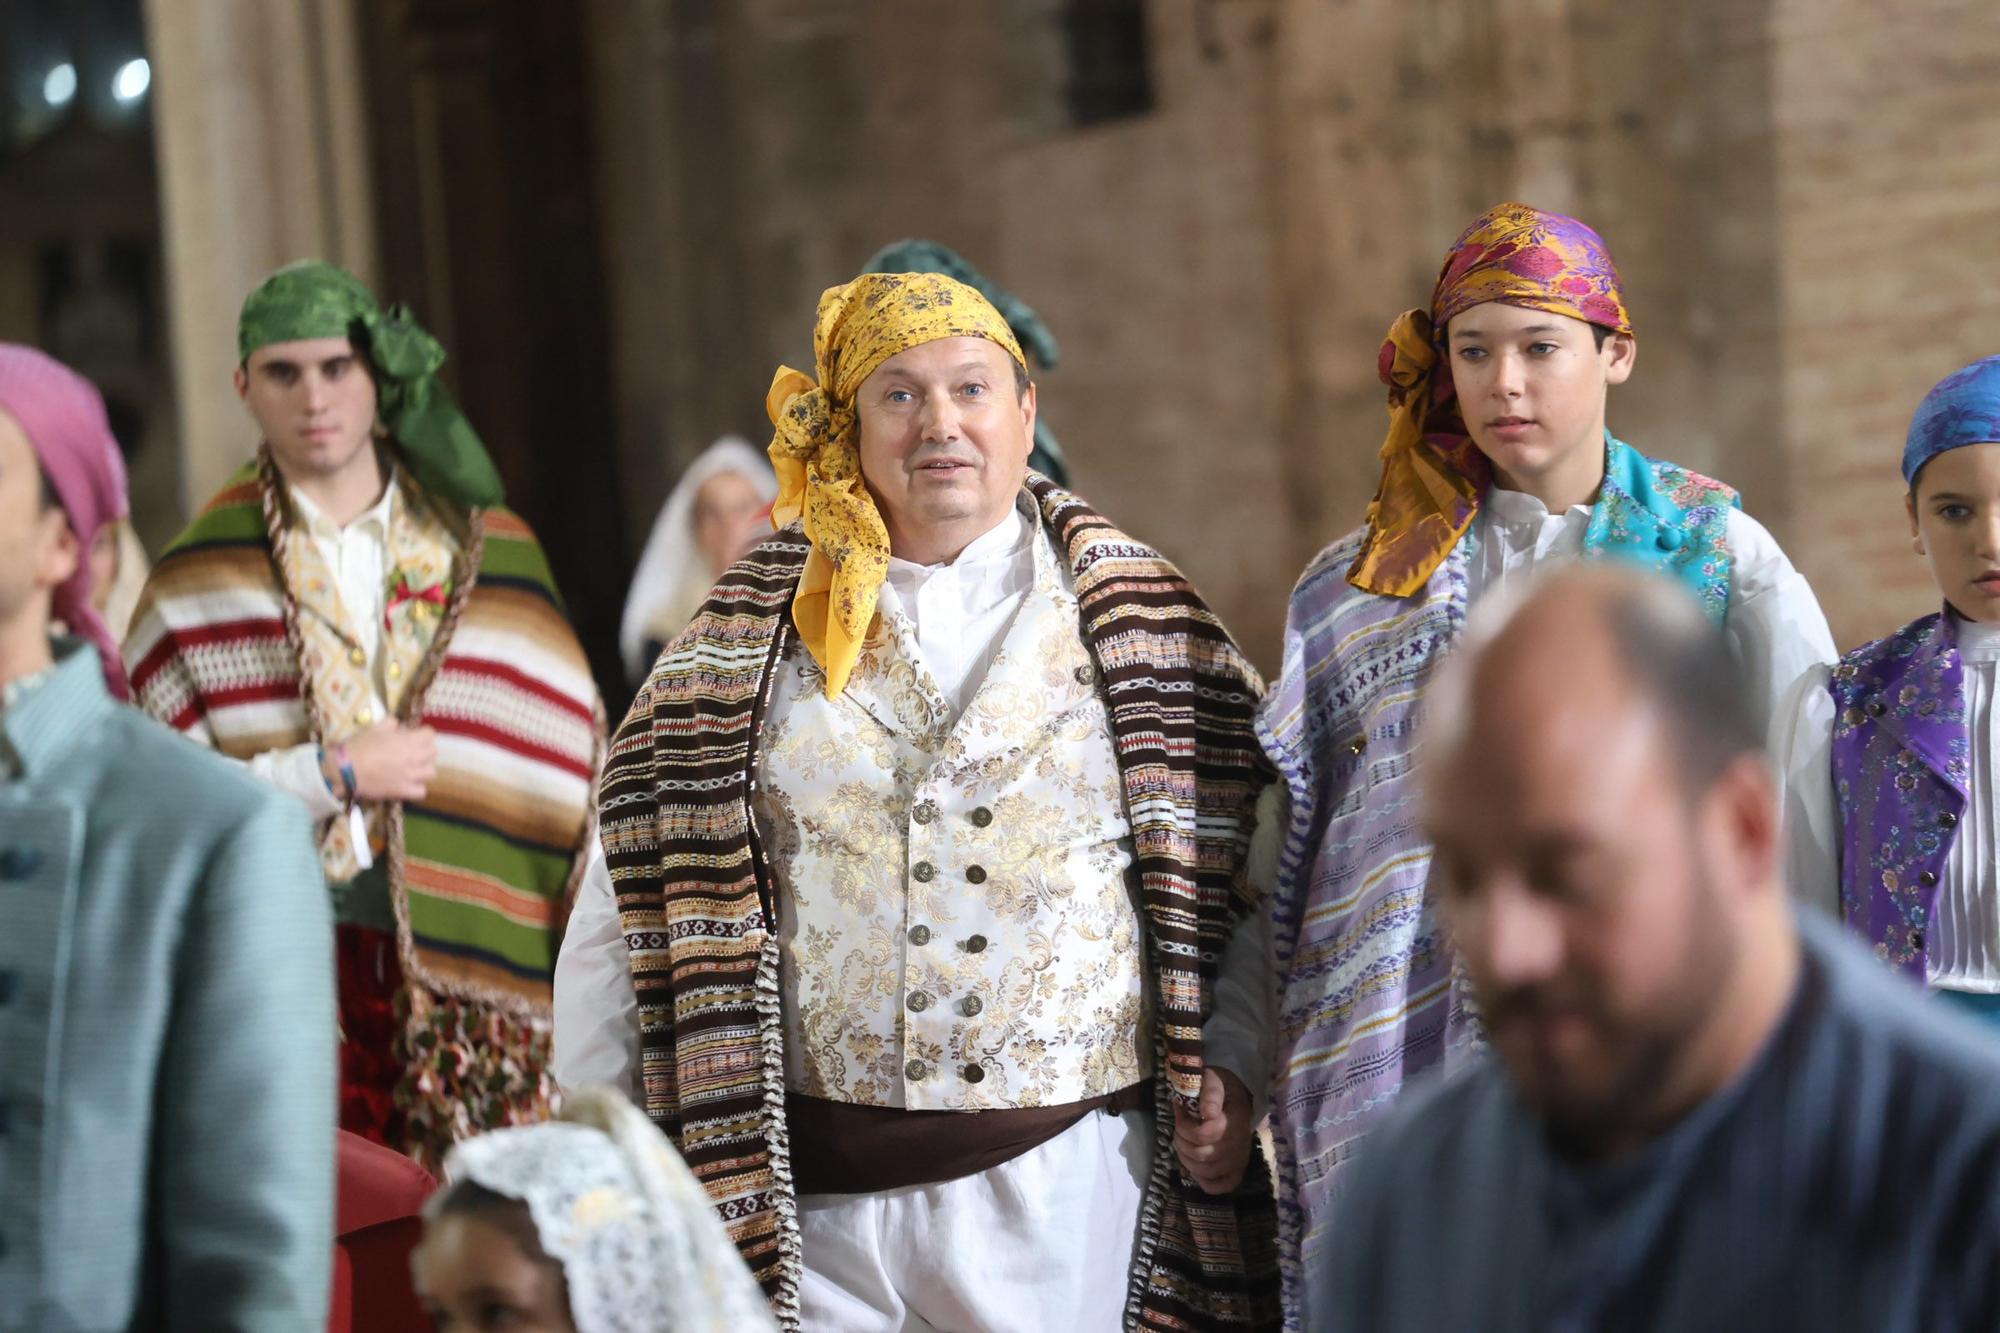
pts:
pixel 482 870
pixel 695 897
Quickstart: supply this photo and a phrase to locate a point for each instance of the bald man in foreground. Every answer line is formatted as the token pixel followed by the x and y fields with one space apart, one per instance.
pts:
pixel 1702 1113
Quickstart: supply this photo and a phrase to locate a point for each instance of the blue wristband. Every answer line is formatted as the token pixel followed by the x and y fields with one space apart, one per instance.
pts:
pixel 346 767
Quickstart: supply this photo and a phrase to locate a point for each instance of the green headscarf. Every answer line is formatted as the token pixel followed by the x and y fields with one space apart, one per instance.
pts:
pixel 314 299
pixel 916 256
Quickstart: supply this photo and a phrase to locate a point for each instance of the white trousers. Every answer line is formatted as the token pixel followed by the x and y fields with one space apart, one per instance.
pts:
pixel 1041 1243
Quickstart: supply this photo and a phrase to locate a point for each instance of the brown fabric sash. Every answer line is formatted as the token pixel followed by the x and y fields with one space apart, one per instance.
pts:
pixel 845 1148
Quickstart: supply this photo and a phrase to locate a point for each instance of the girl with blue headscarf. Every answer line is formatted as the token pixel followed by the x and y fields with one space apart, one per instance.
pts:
pixel 1892 800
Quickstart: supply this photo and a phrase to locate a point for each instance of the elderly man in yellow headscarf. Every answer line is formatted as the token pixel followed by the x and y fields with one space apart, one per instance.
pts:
pixel 921 923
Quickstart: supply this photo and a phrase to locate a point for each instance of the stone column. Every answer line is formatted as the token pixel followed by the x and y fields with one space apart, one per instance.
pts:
pixel 263 159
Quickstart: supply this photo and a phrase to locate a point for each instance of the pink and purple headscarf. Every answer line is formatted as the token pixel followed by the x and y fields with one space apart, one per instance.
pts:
pixel 62 414
pixel 1433 476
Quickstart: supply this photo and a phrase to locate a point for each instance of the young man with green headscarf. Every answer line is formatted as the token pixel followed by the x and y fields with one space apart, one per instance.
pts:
pixel 357 618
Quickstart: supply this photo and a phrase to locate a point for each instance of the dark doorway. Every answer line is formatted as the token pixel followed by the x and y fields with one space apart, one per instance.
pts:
pixel 480 133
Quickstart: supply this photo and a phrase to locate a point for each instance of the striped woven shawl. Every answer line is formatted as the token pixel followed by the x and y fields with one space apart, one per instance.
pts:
pixel 695 895
pixel 483 866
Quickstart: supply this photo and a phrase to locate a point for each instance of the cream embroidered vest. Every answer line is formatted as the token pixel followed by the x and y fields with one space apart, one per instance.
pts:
pixel 958 928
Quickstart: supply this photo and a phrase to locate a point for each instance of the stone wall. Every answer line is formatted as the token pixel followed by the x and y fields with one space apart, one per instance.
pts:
pixel 1800 193
pixel 1888 133
pixel 765 148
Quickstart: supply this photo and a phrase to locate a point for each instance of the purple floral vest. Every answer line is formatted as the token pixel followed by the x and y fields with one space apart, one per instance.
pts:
pixel 1901 752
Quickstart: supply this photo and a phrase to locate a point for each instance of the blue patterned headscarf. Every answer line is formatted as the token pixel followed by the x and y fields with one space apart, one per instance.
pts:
pixel 1963 409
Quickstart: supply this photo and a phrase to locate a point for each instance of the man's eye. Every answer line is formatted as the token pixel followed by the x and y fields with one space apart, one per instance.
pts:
pixel 899 395
pixel 974 389
pixel 1542 349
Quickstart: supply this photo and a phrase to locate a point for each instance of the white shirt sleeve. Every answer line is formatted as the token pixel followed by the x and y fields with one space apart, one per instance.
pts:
pixel 1802 741
pixel 1774 620
pixel 295 771
pixel 596 1009
pixel 1241 1032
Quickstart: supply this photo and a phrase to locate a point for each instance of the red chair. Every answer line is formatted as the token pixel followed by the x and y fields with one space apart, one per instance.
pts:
pixel 379 1222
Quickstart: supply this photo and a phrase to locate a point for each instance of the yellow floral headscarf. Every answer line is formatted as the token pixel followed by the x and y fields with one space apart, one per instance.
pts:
pixel 1433 475
pixel 817 446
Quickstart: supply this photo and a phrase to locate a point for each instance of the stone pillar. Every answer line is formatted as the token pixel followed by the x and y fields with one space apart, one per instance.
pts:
pixel 263 159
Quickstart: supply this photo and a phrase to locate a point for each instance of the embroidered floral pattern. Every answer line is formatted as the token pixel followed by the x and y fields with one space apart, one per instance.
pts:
pixel 958 895
pixel 1902 756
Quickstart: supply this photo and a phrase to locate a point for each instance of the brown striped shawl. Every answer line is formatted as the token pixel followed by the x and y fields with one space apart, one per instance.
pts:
pixel 696 899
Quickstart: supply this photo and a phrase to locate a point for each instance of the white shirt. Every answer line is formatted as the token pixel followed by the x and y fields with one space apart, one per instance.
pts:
pixel 358 556
pixel 1964 932
pixel 1774 621
pixel 961 618
pixel 961 610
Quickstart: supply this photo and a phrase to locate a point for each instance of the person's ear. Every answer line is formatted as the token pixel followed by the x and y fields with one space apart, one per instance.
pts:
pixel 1742 808
pixel 242 378
pixel 1916 531
pixel 1621 350
pixel 61 552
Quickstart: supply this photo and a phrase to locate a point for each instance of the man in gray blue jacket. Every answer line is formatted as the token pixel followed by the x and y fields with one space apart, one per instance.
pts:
pixel 166 991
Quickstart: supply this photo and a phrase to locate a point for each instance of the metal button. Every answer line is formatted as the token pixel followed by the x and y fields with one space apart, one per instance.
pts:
pixel 366 717
pixel 918 1002
pixel 19 862
pixel 920 934
pixel 977 944
pixel 1085 675
pixel 982 817
pixel 356 656
pixel 1948 819
pixel 395 670
pixel 975 874
pixel 924 813
pixel 974 1073
pixel 916 1071
pixel 1928 878
pixel 971 1005
pixel 1917 939
pixel 1357 745
pixel 1874 708
pixel 923 872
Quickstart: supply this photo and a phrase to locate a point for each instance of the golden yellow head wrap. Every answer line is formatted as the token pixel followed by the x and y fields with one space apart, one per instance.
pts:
pixel 1433 475
pixel 817 446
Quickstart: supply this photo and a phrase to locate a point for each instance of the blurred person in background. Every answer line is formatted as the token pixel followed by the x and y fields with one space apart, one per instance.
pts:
pixel 118 572
pixel 720 508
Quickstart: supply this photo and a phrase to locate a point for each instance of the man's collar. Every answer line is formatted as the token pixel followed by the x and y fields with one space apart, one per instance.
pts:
pixel 314 519
pixel 64 703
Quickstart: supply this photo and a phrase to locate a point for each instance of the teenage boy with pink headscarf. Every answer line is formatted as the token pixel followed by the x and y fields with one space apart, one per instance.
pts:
pixel 1497 461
